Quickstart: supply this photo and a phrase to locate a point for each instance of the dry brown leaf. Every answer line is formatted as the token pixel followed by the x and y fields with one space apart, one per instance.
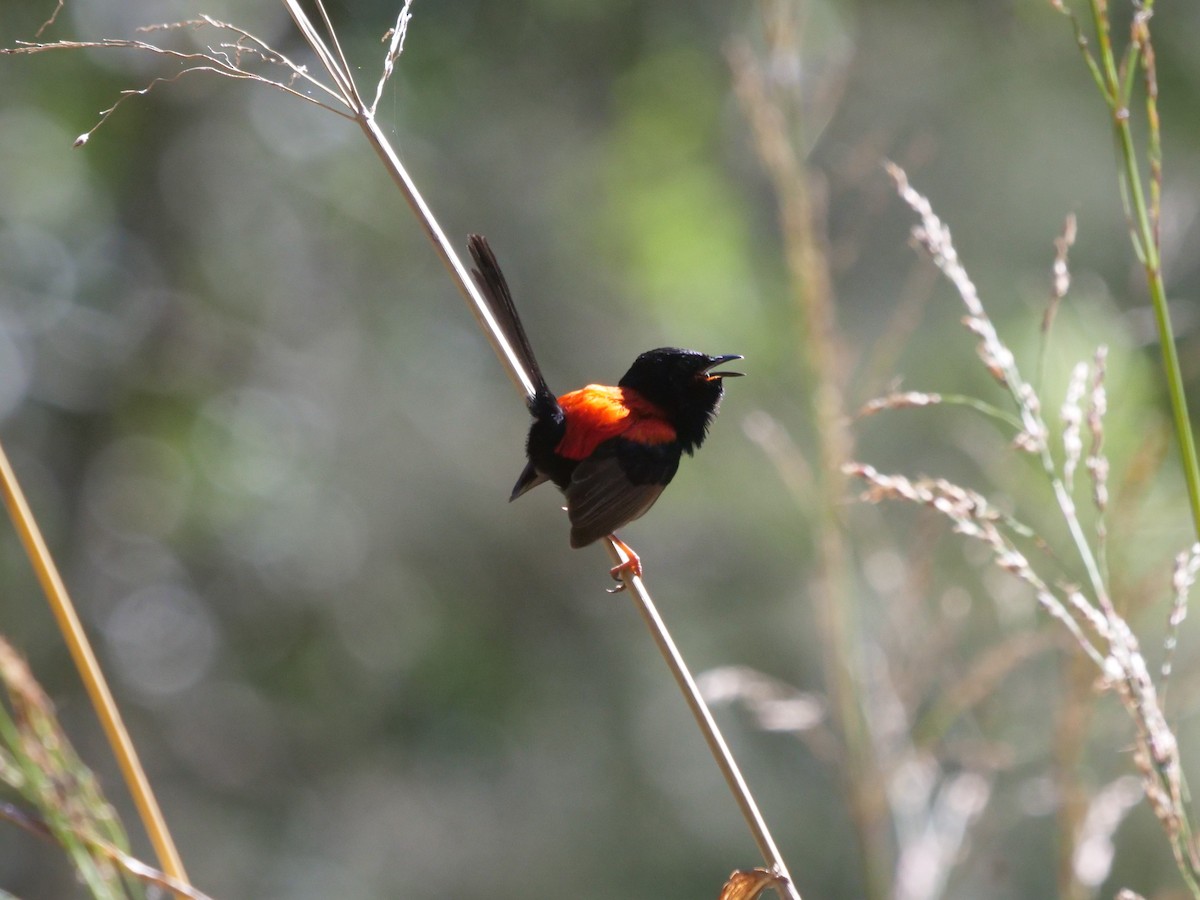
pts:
pixel 750 884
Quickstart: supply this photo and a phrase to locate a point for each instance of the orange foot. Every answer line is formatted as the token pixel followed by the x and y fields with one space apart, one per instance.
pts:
pixel 631 566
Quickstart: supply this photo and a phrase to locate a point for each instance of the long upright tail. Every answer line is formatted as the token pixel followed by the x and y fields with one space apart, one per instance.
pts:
pixel 495 290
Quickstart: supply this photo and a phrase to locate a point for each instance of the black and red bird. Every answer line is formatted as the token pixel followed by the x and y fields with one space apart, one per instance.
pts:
pixel 610 450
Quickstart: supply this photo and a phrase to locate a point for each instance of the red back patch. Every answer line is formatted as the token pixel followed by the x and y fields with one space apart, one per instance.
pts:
pixel 597 413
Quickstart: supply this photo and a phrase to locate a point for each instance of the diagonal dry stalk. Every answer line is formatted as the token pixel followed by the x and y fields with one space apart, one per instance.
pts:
pixel 365 117
pixel 708 726
pixel 237 59
pixel 340 72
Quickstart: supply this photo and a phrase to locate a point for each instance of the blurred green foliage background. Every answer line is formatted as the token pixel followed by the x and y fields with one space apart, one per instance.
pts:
pixel 272 451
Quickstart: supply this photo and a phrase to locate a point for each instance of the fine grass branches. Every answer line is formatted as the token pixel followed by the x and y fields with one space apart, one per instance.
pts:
pixel 1086 610
pixel 1073 583
pixel 235 53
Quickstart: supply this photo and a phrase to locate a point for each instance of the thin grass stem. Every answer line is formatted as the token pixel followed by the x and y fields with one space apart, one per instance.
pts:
pixel 340 72
pixel 704 719
pixel 89 671
pixel 523 380
pixel 445 250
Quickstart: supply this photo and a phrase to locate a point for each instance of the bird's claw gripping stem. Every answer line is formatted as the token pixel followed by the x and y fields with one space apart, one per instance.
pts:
pixel 631 566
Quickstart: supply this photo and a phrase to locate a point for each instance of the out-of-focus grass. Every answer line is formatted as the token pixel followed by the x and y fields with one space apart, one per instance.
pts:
pixel 38 763
pixel 276 455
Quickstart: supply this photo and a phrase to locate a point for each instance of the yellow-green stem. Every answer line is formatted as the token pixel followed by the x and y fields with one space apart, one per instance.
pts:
pixel 1145 237
pixel 1145 241
pixel 89 671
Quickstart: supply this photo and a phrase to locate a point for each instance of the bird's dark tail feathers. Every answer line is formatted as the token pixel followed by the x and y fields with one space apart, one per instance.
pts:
pixel 495 290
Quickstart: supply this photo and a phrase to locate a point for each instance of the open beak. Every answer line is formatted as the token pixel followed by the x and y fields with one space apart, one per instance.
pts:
pixel 717 376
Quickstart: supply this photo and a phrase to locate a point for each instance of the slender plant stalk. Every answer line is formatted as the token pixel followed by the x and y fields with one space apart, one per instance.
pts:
pixel 445 250
pixel 364 115
pixel 89 671
pixel 704 719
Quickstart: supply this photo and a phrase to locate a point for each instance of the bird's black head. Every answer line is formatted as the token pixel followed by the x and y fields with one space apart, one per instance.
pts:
pixel 684 385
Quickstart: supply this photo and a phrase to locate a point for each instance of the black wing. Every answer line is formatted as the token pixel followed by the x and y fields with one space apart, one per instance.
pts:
pixel 616 485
